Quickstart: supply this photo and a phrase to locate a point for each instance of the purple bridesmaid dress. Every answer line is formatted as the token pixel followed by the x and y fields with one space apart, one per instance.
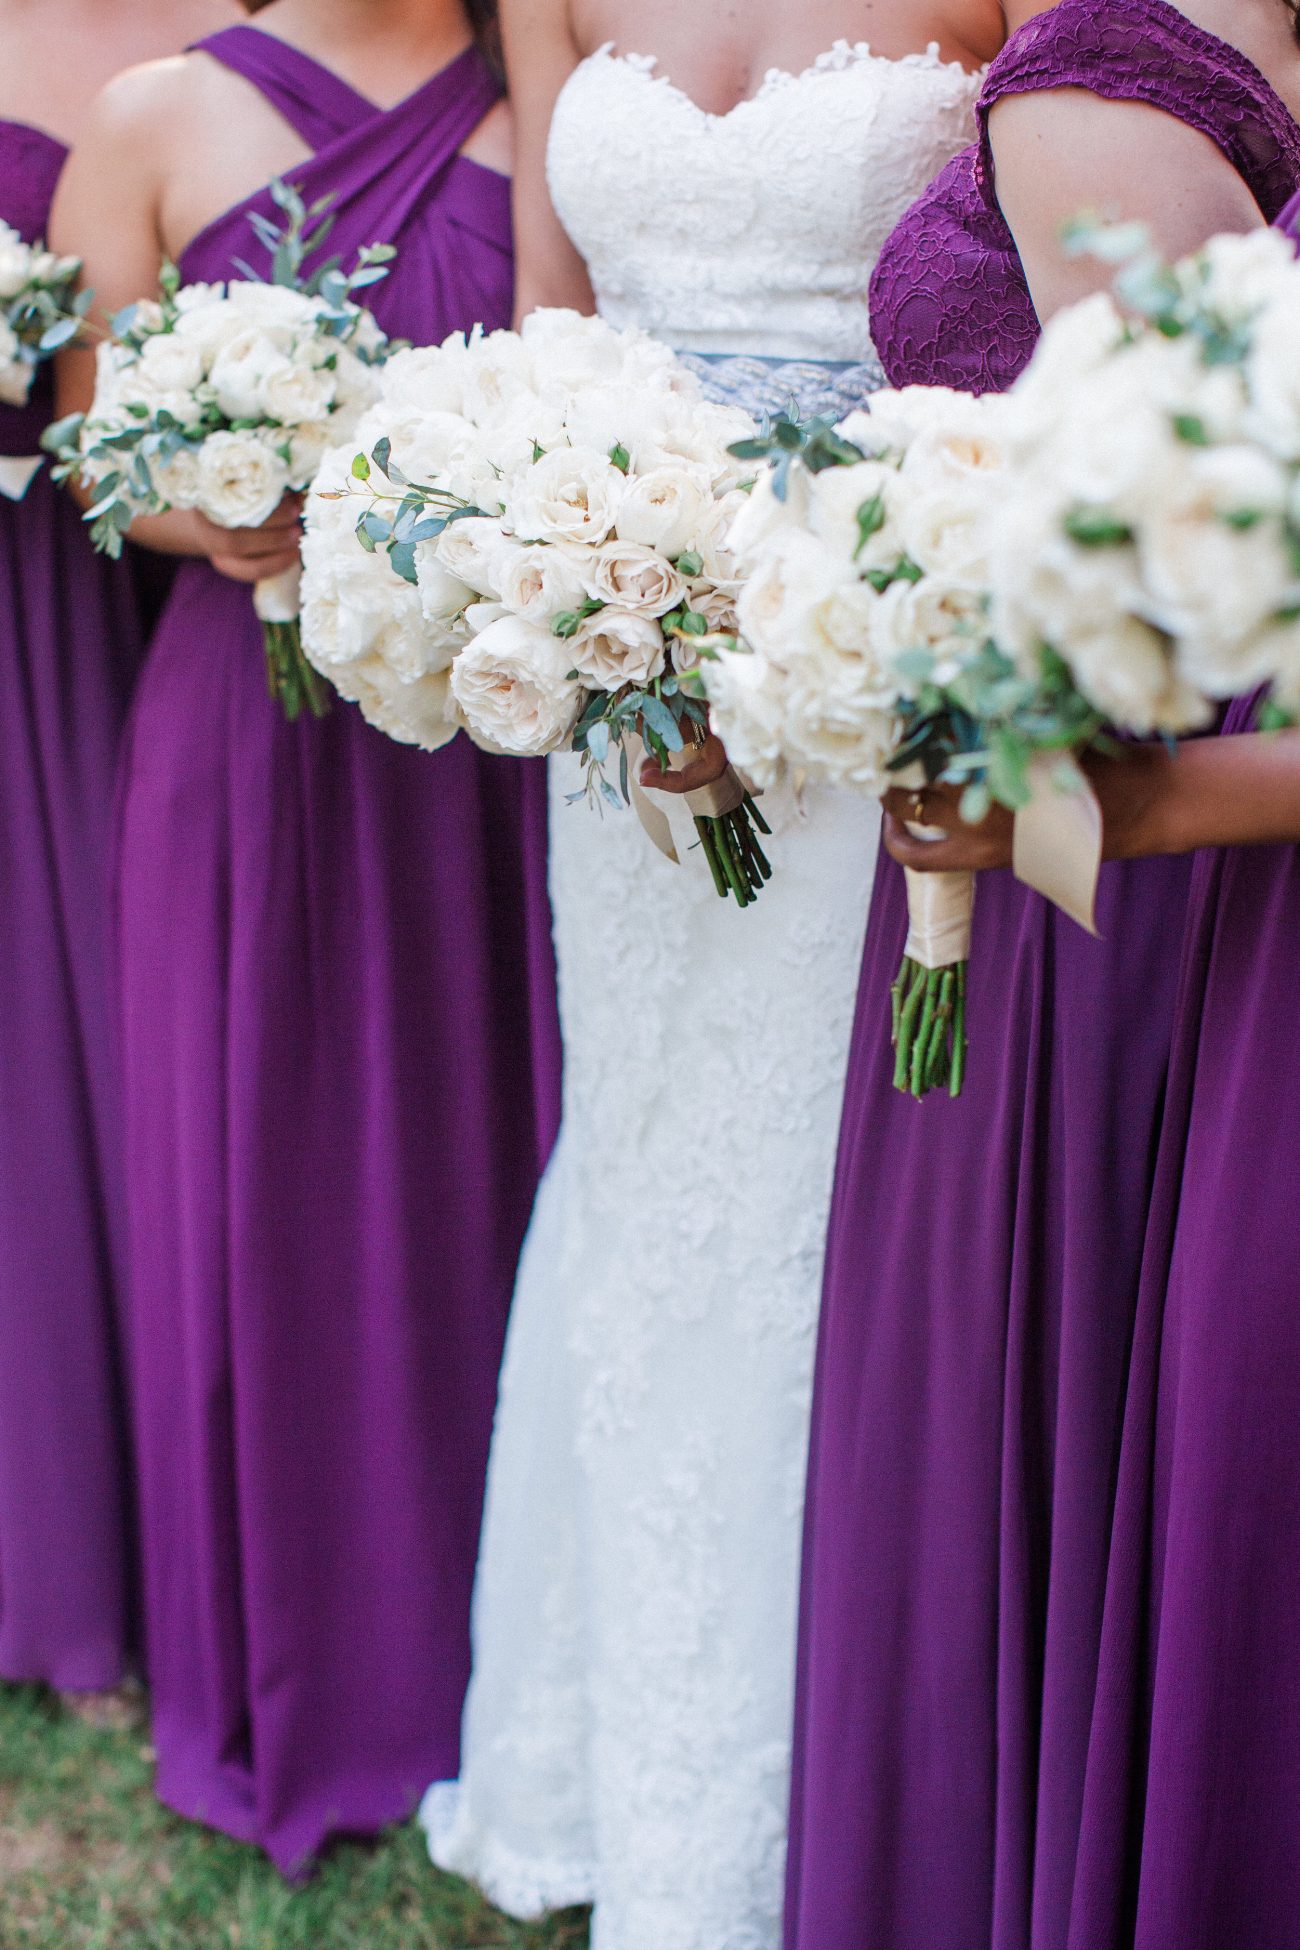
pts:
pixel 985 1255
pixel 1191 1831
pixel 70 646
pixel 342 1075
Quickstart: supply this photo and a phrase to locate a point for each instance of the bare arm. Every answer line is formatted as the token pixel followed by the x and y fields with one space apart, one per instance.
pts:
pixel 108 213
pixel 1065 151
pixel 541 54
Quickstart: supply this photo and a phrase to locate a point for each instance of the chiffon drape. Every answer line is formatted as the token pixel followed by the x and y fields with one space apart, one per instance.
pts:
pixel 342 1073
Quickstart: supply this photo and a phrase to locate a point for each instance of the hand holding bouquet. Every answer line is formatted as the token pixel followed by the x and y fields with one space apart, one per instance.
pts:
pixel 554 504
pixel 224 398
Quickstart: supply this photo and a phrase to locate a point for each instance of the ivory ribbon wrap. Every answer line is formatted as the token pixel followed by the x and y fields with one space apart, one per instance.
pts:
pixel 17 475
pixel 940 911
pixel 662 814
pixel 277 599
pixel 1056 843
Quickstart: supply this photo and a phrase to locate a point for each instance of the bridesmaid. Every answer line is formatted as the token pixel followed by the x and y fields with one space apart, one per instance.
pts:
pixel 338 1004
pixel 1192 1809
pixel 71 641
pixel 985 1255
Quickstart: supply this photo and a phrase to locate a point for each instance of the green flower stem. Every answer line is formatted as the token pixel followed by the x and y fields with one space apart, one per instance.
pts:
pixel 739 884
pixel 928 1027
pixel 756 816
pixel 959 1045
pixel 906 1026
pixel 290 678
pixel 708 846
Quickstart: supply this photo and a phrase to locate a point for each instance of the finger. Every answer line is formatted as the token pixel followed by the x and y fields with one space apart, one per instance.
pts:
pixel 923 856
pixel 922 809
pixel 700 772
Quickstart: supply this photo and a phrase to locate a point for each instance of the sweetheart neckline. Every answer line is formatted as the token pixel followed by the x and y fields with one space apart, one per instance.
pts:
pixel 840 58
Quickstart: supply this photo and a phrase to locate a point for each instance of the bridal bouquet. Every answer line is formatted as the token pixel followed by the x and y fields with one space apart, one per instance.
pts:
pixel 224 398
pixel 40 310
pixel 862 614
pixel 552 507
pixel 1147 548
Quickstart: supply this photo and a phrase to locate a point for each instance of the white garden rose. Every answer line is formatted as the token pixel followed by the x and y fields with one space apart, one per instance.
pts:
pixel 571 495
pixel 571 352
pixel 169 363
pixel 750 713
pixel 836 499
pixel 473 550
pixel 776 606
pixel 444 600
pixel 298 395
pixel 665 509
pixel 176 481
pixel 307 449
pixel 1126 671
pixel 512 687
pixel 940 614
pixel 617 647
pixel 634 578
pixel 420 711
pixel 274 308
pixel 242 480
pixel 15 373
pixel 240 373
pixel 834 734
pixel 1273 415
pixel 764 516
pixel 713 538
pixel 540 583
pixel 498 373
pixel 15 262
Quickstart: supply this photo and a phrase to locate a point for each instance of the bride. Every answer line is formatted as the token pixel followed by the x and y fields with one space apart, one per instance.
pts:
pixel 723 179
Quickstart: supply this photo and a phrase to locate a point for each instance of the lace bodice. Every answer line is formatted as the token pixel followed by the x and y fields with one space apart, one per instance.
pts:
pixel 949 301
pixel 690 232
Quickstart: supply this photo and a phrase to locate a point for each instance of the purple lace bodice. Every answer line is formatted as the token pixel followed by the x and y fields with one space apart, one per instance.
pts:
pixel 950 305
pixel 30 163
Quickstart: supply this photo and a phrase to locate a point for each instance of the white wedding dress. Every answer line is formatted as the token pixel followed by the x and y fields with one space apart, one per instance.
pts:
pixel 627 1737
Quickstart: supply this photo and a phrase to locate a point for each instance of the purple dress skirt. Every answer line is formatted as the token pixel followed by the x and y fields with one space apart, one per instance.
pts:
pixel 342 1075
pixel 71 642
pixel 1191 1830
pixel 985 1255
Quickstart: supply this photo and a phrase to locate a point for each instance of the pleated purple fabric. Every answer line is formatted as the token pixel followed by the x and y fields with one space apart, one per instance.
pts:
pixel 985 1255
pixel 1191 1830
pixel 342 1072
pixel 71 641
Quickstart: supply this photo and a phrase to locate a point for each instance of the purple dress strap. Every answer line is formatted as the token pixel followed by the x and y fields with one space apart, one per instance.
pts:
pixel 379 167
pixel 314 100
pixel 950 305
pixel 1148 51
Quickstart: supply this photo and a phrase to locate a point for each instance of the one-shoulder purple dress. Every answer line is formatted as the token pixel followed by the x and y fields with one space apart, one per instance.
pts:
pixel 71 641
pixel 985 1255
pixel 1191 1829
pixel 342 1072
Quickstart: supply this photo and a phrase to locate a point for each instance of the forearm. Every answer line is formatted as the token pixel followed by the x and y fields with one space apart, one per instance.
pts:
pixel 1237 791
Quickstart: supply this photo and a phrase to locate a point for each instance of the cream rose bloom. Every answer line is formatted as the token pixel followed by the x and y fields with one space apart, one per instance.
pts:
pixel 617 647
pixel 776 605
pixel 666 509
pixel 169 363
pixel 474 551
pixel 634 578
pixel 541 582
pixel 15 373
pixel 513 689
pixel 242 480
pixel 15 262
pixel 570 495
pixel 241 371
pixel 749 711
pixel 298 394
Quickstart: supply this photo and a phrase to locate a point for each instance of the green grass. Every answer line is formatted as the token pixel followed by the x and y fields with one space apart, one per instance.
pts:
pixel 89 1861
